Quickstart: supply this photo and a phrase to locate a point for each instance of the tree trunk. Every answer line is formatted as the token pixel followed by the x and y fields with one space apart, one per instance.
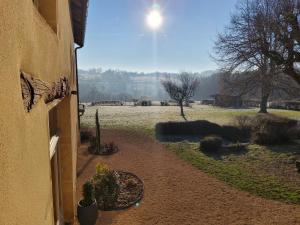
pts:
pixel 181 110
pixel 264 104
pixel 266 87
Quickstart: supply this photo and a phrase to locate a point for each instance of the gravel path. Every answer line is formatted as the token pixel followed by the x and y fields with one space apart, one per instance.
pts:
pixel 177 193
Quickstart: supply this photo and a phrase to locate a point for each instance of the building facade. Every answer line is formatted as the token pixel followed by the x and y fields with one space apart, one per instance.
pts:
pixel 39 117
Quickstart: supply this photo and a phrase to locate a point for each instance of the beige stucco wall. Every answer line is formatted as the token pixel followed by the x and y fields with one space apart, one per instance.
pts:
pixel 29 44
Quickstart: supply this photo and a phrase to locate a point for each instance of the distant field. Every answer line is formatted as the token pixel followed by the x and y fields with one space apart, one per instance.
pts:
pixel 265 171
pixel 145 118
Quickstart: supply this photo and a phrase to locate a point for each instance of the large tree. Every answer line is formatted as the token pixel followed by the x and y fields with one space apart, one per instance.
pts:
pixel 248 85
pixel 284 20
pixel 241 48
pixel 181 89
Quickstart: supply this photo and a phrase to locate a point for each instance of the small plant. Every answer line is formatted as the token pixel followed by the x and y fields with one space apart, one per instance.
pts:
pixel 101 168
pixel 106 187
pixel 211 143
pixel 98 134
pixel 95 142
pixel 88 194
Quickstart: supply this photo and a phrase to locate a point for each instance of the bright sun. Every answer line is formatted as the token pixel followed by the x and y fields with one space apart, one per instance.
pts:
pixel 154 19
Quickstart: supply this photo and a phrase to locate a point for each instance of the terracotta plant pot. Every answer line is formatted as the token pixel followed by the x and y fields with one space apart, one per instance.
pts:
pixel 87 215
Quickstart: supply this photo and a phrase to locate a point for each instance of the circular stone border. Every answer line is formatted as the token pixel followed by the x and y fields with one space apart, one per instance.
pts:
pixel 137 199
pixel 90 148
pixel 112 153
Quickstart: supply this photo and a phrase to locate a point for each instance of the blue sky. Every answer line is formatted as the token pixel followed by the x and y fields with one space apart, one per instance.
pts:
pixel 118 37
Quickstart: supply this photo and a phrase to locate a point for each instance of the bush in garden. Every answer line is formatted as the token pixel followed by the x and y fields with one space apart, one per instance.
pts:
pixel 234 134
pixel 106 187
pixel 261 129
pixel 243 122
pixel 211 143
pixel 271 129
pixel 199 128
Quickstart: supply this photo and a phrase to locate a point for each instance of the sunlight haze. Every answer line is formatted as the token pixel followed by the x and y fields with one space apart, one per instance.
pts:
pixel 120 34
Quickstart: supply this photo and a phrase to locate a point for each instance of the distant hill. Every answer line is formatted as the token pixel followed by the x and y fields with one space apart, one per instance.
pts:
pixel 96 85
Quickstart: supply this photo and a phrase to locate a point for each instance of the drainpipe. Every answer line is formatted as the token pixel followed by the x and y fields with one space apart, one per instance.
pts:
pixel 79 47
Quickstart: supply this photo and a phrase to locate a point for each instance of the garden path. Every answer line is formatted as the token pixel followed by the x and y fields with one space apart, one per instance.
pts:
pixel 176 193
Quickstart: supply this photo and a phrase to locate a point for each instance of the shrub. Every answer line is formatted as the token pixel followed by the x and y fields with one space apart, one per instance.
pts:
pixel 202 128
pixel 271 129
pixel 88 194
pixel 211 143
pixel 106 187
pixel 235 134
pixel 243 122
pixel 198 128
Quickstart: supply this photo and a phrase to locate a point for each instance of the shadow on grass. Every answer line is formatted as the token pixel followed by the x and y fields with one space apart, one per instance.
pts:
pixel 178 138
pixel 291 148
pixel 226 151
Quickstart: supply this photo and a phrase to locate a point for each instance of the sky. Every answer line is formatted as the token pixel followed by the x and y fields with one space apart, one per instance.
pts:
pixel 118 36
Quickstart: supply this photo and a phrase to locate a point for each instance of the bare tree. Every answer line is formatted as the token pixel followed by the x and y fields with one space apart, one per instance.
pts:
pixel 181 89
pixel 241 47
pixel 284 20
pixel 248 84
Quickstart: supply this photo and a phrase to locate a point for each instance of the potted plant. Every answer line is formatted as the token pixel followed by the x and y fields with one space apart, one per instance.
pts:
pixel 87 210
pixel 107 187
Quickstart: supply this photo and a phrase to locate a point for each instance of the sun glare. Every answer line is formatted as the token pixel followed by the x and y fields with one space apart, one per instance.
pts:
pixel 154 19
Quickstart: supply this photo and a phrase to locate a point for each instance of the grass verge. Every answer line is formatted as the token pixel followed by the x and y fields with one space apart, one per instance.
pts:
pixel 236 175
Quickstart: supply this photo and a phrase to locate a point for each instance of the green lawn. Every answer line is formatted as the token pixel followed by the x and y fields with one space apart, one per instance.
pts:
pixel 145 118
pixel 253 171
pixel 265 171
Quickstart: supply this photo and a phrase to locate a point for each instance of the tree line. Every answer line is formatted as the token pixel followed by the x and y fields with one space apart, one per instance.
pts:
pixel 98 85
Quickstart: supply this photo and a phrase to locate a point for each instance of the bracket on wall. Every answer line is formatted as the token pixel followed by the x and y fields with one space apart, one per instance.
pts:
pixel 33 89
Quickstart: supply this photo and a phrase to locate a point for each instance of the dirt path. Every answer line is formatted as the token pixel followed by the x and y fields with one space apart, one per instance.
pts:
pixel 177 193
